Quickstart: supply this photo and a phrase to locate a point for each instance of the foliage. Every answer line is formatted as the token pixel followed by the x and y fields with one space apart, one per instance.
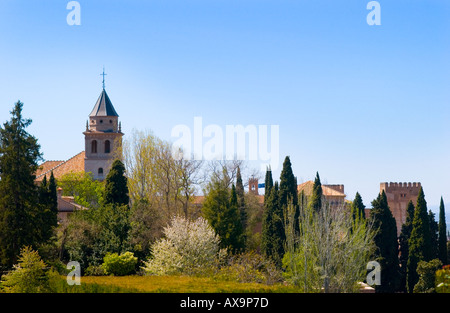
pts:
pixel 22 221
pixel 419 242
pixel 331 251
pixel 116 188
pixel 403 239
pixel 82 186
pixel 443 280
pixel 272 234
pixel 442 244
pixel 188 246
pixel 427 276
pixel 358 207
pixel 385 239
pixel 220 208
pixel 28 276
pixel 120 265
pixel 250 267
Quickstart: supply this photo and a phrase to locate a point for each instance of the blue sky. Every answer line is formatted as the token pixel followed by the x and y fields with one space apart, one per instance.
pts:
pixel 360 104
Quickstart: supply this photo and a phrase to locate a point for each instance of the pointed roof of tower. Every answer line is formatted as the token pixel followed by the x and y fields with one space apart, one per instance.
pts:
pixel 104 106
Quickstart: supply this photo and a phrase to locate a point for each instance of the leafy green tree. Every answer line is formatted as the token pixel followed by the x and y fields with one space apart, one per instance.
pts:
pixel 288 192
pixel 19 195
pixel 405 234
pixel 358 207
pixel 386 244
pixel 442 245
pixel 419 242
pixel 116 188
pixel 220 208
pixel 86 191
pixel 273 234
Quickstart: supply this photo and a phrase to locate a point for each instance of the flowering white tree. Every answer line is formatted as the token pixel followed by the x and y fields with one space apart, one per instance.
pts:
pixel 187 246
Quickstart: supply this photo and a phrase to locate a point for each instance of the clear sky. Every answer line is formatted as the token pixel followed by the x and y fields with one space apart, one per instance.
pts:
pixel 360 104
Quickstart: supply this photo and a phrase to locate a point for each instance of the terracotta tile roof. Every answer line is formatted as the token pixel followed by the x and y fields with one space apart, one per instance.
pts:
pixel 59 168
pixel 307 187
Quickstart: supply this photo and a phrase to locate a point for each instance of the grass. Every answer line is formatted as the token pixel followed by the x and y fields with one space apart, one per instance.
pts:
pixel 176 284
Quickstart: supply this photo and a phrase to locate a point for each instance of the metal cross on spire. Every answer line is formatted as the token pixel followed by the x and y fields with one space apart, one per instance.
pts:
pixel 103 74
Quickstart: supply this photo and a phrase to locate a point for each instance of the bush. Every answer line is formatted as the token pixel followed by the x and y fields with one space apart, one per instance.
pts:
pixel 250 267
pixel 443 280
pixel 188 246
pixel 427 276
pixel 119 265
pixel 28 276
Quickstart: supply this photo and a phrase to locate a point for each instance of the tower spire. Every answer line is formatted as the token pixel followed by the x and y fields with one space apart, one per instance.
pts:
pixel 103 74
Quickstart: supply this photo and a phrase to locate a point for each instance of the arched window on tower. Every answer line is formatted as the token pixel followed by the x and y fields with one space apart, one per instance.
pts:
pixel 100 171
pixel 107 146
pixel 94 146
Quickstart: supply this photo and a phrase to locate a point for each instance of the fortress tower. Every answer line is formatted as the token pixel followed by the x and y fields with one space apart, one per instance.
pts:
pixel 398 196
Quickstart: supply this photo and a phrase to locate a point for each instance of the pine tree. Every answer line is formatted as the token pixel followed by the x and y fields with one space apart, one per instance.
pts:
pixel 48 207
pixel 116 187
pixel 386 244
pixel 442 245
pixel 358 207
pixel 419 242
pixel 273 235
pixel 316 197
pixel 19 196
pixel 403 243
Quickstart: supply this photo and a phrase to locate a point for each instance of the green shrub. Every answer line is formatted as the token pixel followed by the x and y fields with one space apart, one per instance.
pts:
pixel 427 276
pixel 443 280
pixel 120 265
pixel 28 276
pixel 250 267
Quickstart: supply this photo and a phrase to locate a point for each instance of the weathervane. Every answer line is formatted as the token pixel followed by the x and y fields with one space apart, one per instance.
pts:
pixel 103 74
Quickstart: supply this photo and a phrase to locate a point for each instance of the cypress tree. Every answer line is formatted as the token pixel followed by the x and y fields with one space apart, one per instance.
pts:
pixel 19 195
pixel 358 207
pixel 116 187
pixel 419 242
pixel 241 199
pixel 273 235
pixel 403 243
pixel 386 244
pixel 442 245
pixel 288 191
pixel 268 184
pixel 316 197
pixel 434 236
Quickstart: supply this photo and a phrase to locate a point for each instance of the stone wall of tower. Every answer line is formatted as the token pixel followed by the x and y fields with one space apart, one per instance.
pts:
pixel 398 196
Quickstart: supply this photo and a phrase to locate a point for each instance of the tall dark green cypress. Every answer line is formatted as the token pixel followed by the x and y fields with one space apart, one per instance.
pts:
pixel 116 187
pixel 289 191
pixel 405 234
pixel 442 245
pixel 386 244
pixel 317 193
pixel 19 195
pixel 434 236
pixel 268 184
pixel 419 242
pixel 241 199
pixel 358 207
pixel 273 235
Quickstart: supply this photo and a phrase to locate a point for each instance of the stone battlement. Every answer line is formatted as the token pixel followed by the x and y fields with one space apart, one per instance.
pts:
pixel 391 186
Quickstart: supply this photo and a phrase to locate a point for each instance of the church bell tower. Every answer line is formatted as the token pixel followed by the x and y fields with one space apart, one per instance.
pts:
pixel 103 137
